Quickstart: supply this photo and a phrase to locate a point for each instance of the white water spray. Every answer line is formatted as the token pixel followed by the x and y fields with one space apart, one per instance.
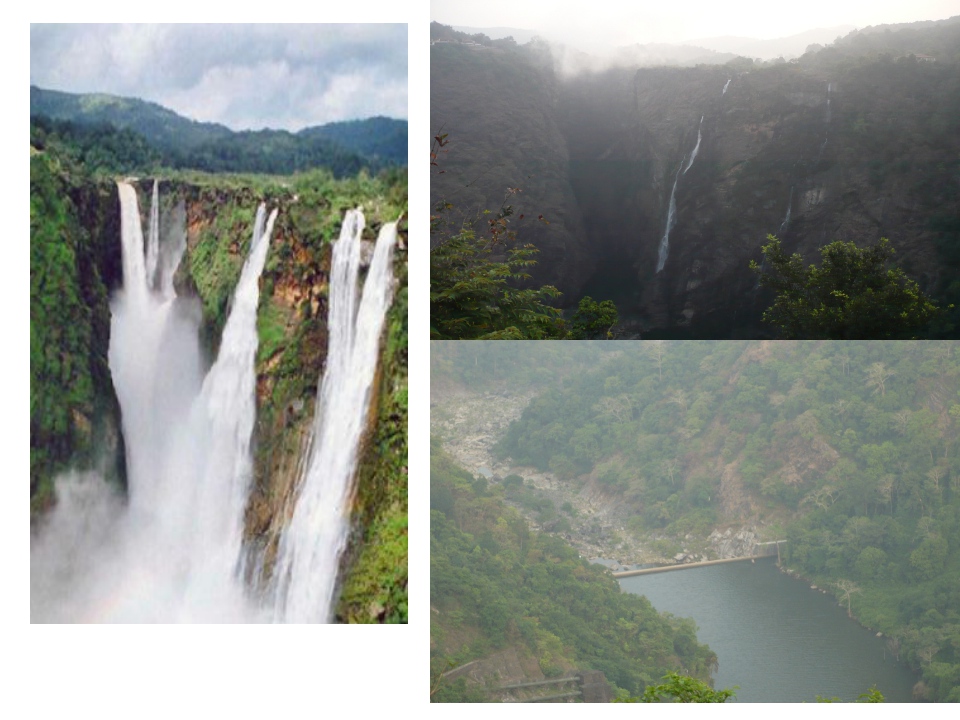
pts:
pixel 174 550
pixel 153 238
pixel 305 574
pixel 726 85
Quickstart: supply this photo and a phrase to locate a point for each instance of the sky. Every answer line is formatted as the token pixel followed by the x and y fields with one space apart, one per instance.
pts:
pixel 246 77
pixel 593 27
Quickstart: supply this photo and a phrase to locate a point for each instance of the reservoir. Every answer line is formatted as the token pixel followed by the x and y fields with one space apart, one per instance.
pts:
pixel 775 638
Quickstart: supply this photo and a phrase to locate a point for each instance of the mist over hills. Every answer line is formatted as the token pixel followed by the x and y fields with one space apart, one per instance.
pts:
pixel 857 141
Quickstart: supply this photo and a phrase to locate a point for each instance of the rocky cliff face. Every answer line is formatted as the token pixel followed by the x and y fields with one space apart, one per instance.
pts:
pixel 848 144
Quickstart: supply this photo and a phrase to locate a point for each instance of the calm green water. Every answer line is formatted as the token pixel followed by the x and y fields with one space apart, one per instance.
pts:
pixel 776 638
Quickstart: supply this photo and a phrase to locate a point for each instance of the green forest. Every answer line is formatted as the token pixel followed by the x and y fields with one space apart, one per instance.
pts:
pixel 116 134
pixel 495 584
pixel 847 449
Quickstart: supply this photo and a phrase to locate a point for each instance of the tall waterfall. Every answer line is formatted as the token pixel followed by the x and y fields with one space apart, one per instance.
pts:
pixel 725 86
pixel 173 552
pixel 664 248
pixel 305 574
pixel 153 238
pixel 696 148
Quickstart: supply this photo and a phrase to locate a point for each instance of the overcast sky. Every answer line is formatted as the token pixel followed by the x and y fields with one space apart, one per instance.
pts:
pixel 243 76
pixel 593 25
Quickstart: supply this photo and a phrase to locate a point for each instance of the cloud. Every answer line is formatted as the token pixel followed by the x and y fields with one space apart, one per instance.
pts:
pixel 243 76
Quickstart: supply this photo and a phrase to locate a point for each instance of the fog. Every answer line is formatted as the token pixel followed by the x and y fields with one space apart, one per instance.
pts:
pixel 578 25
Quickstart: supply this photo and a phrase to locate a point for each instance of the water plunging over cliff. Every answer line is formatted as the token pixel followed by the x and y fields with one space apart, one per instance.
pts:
pixel 696 148
pixel 664 249
pixel 307 565
pixel 173 552
pixel 725 86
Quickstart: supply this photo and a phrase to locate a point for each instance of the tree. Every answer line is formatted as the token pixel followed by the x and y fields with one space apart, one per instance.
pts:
pixel 593 320
pixel 680 688
pixel 850 296
pixel 471 296
pixel 848 588
pixel 877 376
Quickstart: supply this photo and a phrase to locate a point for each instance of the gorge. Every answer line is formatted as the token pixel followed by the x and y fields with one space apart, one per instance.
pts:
pixel 173 494
pixel 849 142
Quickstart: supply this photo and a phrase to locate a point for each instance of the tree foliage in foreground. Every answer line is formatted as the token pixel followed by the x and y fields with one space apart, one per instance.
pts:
pixel 683 689
pixel 850 296
pixel 471 296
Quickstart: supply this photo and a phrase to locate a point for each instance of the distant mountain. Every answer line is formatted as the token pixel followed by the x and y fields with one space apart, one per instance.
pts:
pixel 495 33
pixel 344 147
pixel 785 47
pixel 161 127
pixel 379 137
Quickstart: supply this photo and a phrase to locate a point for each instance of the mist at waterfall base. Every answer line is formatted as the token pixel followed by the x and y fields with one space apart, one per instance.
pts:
pixel 172 549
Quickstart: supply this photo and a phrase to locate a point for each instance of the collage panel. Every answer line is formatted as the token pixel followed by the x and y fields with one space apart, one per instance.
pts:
pixel 647 175
pixel 694 521
pixel 218 324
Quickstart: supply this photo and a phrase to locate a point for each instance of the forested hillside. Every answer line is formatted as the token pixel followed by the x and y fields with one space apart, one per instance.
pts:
pixel 848 450
pixel 854 142
pixel 135 134
pixel 527 607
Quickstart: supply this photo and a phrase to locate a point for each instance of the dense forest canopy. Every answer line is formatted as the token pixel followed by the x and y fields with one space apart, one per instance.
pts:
pixel 848 449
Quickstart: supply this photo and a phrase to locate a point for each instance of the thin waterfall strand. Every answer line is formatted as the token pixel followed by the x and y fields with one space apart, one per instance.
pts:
pixel 664 248
pixel 696 148
pixel 153 238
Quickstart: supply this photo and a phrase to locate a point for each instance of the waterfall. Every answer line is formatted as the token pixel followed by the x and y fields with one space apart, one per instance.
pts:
pixel 786 220
pixel 829 88
pixel 153 237
pixel 696 148
pixel 305 574
pixel 664 248
pixel 726 85
pixel 173 552
pixel 671 221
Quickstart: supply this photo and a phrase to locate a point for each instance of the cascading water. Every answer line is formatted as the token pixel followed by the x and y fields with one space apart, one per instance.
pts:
pixel 725 86
pixel 664 248
pixel 173 553
pixel 786 220
pixel 829 88
pixel 153 237
pixel 696 148
pixel 306 569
